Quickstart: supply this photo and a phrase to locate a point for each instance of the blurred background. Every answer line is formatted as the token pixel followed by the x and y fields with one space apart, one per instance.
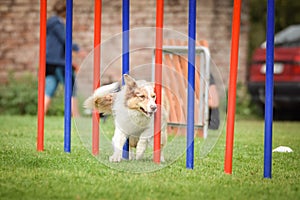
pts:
pixel 19 39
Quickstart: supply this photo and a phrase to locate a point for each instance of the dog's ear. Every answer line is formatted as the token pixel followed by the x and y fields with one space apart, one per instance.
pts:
pixel 129 81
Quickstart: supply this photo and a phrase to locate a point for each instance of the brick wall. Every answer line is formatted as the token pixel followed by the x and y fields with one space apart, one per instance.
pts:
pixel 19 29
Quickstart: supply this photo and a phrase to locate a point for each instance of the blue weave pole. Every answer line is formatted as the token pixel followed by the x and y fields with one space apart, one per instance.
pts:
pixel 191 85
pixel 68 75
pixel 269 90
pixel 125 56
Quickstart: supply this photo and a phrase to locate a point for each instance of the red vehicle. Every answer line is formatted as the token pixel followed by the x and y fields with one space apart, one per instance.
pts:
pixel 286 72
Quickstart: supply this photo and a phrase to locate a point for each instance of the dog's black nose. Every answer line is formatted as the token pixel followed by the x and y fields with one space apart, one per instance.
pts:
pixel 153 107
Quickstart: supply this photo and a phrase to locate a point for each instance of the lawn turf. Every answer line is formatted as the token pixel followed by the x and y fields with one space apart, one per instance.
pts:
pixel 53 174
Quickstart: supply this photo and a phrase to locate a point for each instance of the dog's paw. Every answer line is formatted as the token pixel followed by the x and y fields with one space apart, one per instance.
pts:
pixel 115 158
pixel 139 156
pixel 131 156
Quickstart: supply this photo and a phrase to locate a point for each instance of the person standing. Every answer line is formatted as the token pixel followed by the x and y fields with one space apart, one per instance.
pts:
pixel 213 104
pixel 55 56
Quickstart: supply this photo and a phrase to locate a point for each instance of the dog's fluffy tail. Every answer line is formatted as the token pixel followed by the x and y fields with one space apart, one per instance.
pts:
pixel 102 99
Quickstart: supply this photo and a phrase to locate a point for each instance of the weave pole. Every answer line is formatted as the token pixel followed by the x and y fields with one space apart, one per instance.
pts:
pixel 125 56
pixel 158 79
pixel 269 89
pixel 68 75
pixel 191 86
pixel 42 72
pixel 96 81
pixel 232 85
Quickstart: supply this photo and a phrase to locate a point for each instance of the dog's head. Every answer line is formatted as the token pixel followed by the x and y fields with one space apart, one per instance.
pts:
pixel 140 96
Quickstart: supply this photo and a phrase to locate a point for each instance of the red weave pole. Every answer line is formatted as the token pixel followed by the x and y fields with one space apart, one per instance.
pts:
pixel 97 51
pixel 41 78
pixel 232 85
pixel 158 78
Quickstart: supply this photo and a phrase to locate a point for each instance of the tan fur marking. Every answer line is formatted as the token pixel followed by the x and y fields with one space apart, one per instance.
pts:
pixel 138 99
pixel 104 104
pixel 133 141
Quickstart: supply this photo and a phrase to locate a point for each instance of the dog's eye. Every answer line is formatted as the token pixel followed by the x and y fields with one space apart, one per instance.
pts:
pixel 141 96
pixel 153 96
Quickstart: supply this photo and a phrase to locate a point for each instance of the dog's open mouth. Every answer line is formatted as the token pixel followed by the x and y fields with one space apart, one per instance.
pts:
pixel 146 113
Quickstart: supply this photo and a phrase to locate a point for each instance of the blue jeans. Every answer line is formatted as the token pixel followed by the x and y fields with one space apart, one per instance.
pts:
pixel 54 78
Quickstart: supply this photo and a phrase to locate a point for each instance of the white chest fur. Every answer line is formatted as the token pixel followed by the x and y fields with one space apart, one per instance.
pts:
pixel 129 121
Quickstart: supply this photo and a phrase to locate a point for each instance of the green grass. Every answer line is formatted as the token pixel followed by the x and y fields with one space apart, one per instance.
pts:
pixel 53 174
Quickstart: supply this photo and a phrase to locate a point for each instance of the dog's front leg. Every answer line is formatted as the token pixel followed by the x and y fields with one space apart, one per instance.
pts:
pixel 141 147
pixel 118 142
pixel 131 153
